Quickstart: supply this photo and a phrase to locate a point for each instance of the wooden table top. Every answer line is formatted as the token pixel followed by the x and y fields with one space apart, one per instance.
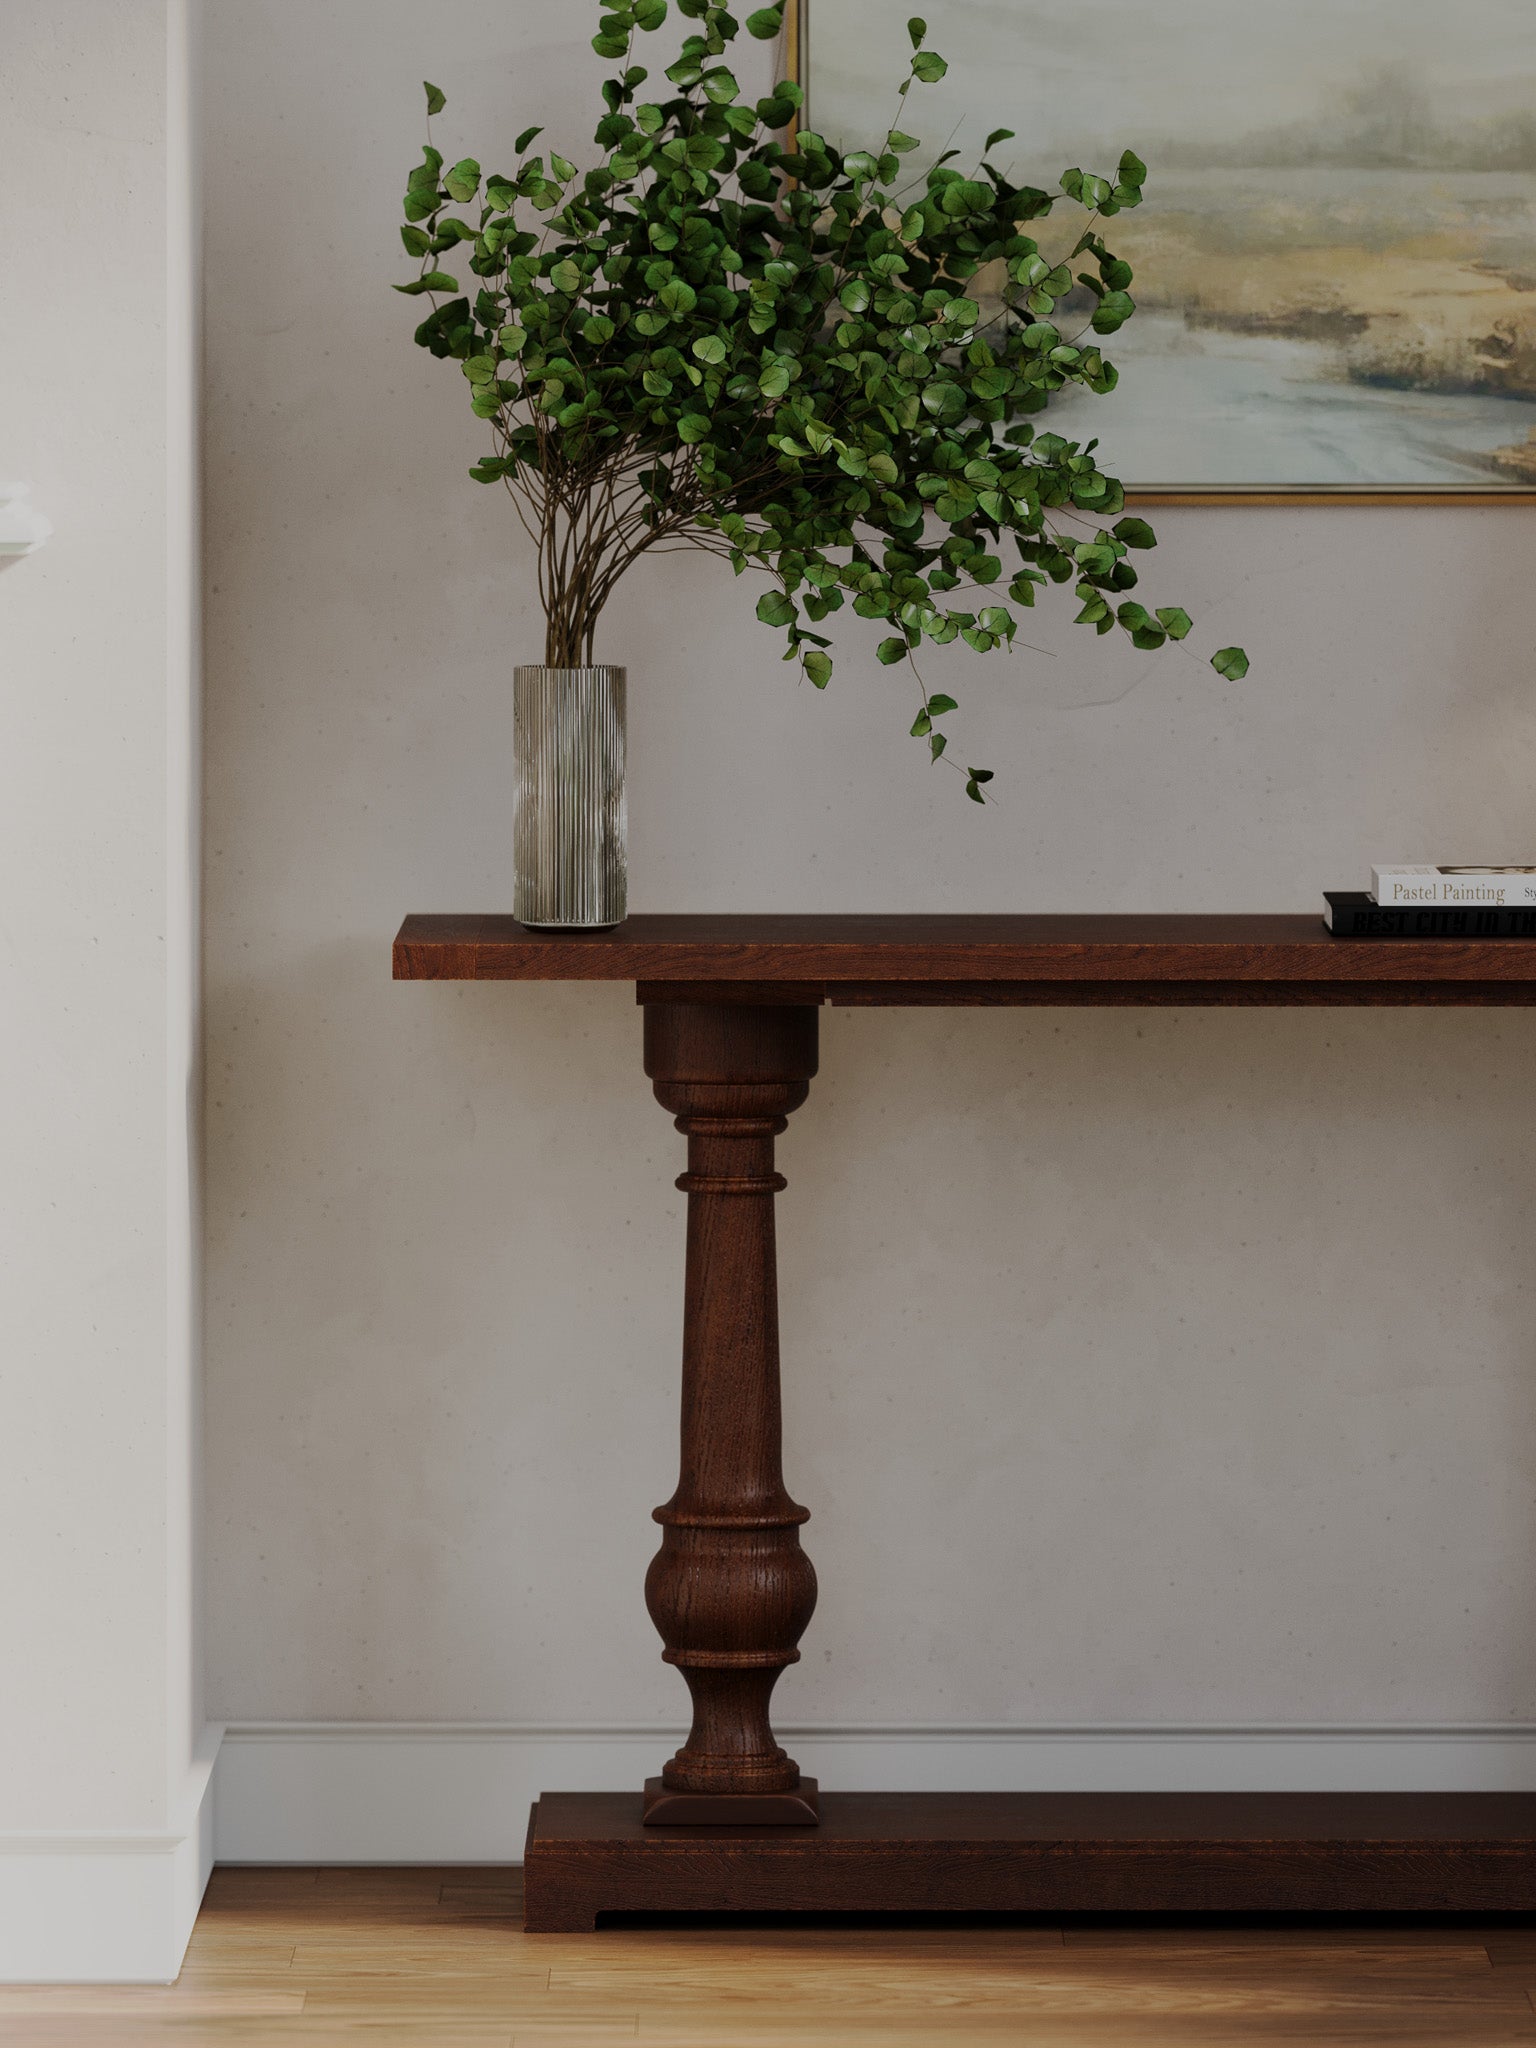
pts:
pixel 1069 959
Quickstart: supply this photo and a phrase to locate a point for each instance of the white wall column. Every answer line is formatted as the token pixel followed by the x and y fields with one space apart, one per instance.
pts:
pixel 105 1822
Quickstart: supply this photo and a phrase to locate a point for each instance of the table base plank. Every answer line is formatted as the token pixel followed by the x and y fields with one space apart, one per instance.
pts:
pixel 589 1853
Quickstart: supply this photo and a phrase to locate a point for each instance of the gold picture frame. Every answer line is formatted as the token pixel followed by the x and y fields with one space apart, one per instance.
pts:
pixel 797 46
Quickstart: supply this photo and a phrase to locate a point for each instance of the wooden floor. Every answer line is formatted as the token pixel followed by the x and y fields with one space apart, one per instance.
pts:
pixel 437 1959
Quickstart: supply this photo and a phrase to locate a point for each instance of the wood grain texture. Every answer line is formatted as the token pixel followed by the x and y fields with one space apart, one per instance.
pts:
pixel 1288 499
pixel 663 1807
pixel 730 1590
pixel 435 1958
pixel 589 1853
pixel 944 959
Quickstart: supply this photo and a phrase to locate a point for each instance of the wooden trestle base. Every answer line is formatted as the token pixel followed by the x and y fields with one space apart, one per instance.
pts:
pixel 731 1011
pixel 590 1854
pixel 662 1807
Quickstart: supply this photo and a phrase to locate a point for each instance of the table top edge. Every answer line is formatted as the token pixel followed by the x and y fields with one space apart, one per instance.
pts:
pixel 980 948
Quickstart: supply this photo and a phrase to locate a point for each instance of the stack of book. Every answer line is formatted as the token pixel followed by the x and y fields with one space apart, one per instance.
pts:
pixel 1436 903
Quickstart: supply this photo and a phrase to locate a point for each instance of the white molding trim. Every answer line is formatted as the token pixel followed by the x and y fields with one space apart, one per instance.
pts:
pixel 183 884
pixel 411 1792
pixel 111 1908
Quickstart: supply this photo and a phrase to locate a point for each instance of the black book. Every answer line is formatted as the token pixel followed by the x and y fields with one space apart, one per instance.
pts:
pixel 1351 914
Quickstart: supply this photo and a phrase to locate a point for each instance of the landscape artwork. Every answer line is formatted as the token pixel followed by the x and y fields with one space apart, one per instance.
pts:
pixel 1336 254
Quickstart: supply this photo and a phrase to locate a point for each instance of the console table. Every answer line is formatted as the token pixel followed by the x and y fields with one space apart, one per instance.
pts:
pixel 730 1007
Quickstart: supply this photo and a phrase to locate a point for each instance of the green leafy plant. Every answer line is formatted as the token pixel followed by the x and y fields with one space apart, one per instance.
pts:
pixel 730 336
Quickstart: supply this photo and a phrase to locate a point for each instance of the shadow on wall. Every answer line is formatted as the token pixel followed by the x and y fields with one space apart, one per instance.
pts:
pixel 443 1296
pixel 1070 1364
pixel 1213 1327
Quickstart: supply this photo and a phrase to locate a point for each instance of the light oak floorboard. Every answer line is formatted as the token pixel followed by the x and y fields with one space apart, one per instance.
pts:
pixel 436 1958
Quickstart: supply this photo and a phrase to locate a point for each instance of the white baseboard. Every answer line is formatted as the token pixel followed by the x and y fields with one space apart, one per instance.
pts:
pixel 385 1792
pixel 119 1908
pixel 112 1908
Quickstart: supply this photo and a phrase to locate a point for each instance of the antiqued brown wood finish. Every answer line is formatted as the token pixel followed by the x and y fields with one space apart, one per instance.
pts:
pixel 730 1045
pixel 1050 1852
pixel 730 1590
pixel 1014 959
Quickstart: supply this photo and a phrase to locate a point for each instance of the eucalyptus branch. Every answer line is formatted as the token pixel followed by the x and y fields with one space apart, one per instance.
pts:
pixel 715 342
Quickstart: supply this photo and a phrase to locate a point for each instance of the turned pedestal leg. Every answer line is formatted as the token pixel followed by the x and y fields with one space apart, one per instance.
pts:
pixel 730 1590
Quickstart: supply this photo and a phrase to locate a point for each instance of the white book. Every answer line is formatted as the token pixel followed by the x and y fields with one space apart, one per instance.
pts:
pixel 1461 888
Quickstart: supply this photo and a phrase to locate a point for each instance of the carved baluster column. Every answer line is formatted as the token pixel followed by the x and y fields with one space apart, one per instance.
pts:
pixel 730 1590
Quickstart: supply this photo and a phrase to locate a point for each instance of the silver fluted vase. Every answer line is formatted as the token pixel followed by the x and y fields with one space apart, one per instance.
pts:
pixel 570 859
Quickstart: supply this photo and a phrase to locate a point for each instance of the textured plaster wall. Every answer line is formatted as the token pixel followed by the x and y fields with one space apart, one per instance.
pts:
pixel 1138 1366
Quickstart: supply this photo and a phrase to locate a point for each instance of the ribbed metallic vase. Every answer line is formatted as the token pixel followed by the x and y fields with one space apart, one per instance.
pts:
pixel 569 830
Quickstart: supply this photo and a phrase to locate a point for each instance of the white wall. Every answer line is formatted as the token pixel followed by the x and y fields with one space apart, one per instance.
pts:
pixel 1139 1368
pixel 102 1844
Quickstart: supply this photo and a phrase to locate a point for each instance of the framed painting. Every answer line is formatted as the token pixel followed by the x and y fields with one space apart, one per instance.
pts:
pixel 1336 256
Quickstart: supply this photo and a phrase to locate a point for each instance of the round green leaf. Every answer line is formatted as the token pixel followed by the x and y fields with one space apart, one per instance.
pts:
pixel 678 298
pixel 463 181
pixel 1112 312
pixel 944 400
pixel 1135 533
pixel 434 281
